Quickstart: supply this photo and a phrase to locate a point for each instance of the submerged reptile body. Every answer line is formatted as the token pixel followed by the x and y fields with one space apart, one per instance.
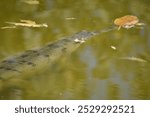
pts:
pixel 37 59
pixel 32 60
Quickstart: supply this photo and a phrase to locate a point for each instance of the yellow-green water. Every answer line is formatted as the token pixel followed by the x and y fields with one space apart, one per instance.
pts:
pixel 101 68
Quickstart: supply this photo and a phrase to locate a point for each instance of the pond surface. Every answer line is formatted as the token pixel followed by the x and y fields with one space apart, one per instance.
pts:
pixel 112 65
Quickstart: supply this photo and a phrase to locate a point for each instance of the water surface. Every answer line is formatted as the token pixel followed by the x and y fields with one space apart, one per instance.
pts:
pixel 99 69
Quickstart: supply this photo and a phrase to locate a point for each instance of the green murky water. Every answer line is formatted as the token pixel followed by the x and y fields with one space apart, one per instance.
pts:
pixel 98 69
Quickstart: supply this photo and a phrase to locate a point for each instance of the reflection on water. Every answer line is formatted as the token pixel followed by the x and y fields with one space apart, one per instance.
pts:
pixel 93 71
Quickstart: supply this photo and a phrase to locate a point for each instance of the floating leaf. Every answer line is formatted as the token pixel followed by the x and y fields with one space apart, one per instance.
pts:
pixel 27 23
pixel 8 27
pixel 133 59
pixel 31 2
pixel 127 21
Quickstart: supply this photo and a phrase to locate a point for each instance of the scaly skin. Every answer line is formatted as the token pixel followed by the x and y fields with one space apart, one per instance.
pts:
pixel 38 58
